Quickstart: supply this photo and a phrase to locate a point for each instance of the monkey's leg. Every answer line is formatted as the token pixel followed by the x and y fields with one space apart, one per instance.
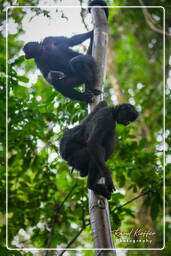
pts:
pixel 108 180
pixel 78 39
pixel 93 177
pixel 80 160
pixel 84 66
pixel 97 154
pixel 65 87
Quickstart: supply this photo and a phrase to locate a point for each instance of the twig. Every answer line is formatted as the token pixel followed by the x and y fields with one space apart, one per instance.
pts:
pixel 99 252
pixel 67 196
pixel 55 217
pixel 74 238
pixel 140 195
pixel 151 21
pixel 83 227
pixel 82 16
pixel 131 200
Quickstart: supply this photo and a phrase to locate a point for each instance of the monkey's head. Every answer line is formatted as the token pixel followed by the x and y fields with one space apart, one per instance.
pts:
pixel 32 50
pixel 125 113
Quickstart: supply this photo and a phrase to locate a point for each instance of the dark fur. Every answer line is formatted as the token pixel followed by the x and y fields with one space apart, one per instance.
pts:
pixel 89 145
pixel 64 68
pixel 99 3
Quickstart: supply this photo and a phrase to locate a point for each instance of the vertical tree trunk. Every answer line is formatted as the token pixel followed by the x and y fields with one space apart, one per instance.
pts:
pixel 98 205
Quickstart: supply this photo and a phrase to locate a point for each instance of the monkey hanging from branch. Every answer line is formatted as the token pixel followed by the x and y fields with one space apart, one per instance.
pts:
pixel 87 146
pixel 64 68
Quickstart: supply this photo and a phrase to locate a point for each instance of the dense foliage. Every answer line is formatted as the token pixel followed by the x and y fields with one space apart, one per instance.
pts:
pixel 48 205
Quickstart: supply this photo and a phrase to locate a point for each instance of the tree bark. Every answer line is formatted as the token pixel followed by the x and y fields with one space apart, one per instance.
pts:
pixel 98 205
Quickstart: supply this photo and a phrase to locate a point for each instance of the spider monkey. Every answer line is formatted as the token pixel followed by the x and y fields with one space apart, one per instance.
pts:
pixel 64 68
pixel 87 146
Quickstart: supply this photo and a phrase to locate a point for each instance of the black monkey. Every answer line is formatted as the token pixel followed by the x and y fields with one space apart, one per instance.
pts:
pixel 87 146
pixel 64 68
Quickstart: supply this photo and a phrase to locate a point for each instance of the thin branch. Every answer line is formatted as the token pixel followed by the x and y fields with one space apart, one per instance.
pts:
pixel 84 225
pixel 82 15
pixel 55 218
pixel 131 200
pixel 98 253
pixel 67 196
pixel 74 238
pixel 151 22
pixel 137 197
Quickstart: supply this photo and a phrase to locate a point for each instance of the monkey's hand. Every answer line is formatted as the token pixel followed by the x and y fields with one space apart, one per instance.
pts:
pixel 88 97
pixel 54 76
pixel 109 182
pixel 110 185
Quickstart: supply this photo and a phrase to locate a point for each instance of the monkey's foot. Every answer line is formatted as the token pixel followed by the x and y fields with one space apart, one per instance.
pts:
pixel 96 92
pixel 109 184
pixel 88 97
pixel 101 189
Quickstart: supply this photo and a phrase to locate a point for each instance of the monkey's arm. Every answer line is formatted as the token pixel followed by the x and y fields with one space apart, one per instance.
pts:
pixel 100 132
pixel 54 40
pixel 78 39
pixel 65 87
pixel 98 168
pixel 96 150
pixel 67 42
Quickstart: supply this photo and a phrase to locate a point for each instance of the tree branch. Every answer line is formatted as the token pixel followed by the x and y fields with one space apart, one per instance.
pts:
pixel 82 15
pixel 137 197
pixel 74 238
pixel 84 225
pixel 98 205
pixel 131 200
pixel 151 22
pixel 55 218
